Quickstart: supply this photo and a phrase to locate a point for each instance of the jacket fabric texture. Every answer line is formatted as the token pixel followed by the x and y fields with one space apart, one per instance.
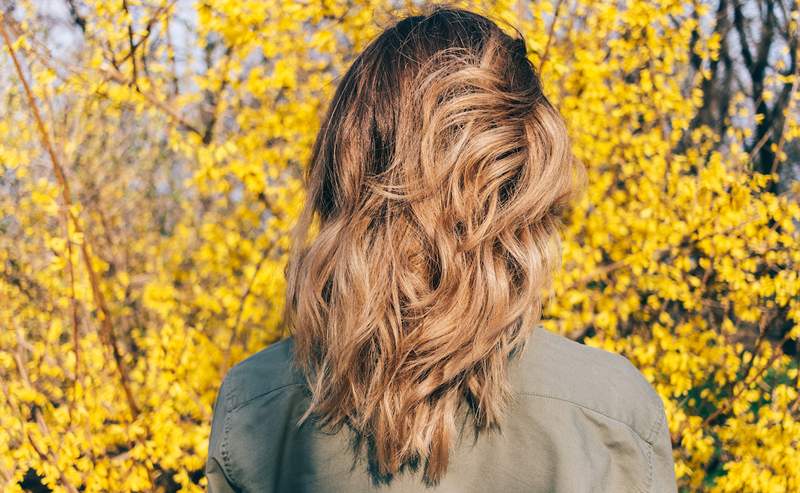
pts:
pixel 582 420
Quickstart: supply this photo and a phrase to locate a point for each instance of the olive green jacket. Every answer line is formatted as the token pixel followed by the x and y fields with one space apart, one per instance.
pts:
pixel 582 420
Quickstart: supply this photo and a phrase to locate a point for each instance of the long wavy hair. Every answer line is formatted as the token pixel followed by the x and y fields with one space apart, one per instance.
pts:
pixel 437 187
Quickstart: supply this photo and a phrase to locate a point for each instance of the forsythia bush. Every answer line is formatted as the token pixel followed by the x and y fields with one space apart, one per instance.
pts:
pixel 149 176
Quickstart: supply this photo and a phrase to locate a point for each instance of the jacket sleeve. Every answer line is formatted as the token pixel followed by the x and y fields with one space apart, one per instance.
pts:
pixel 663 462
pixel 218 478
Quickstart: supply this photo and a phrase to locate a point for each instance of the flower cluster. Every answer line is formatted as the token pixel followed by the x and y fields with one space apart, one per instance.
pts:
pixel 151 156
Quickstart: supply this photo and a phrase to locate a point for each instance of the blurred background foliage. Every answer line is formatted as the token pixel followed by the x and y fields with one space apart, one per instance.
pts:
pixel 150 161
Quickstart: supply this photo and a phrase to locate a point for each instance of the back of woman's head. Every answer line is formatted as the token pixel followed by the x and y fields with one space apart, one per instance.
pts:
pixel 438 183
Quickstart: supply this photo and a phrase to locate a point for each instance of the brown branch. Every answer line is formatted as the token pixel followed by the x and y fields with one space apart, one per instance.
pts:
pixel 738 21
pixel 550 35
pixel 605 269
pixel 729 402
pixel 172 60
pixel 676 439
pixel 107 329
pixel 768 134
pixel 74 311
pixel 214 99
pixel 132 45
pixel 148 28
pixel 117 76
pixel 788 93
pixel 245 295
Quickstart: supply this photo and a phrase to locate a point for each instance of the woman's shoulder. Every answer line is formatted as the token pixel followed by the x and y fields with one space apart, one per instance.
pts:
pixel 253 405
pixel 263 373
pixel 556 367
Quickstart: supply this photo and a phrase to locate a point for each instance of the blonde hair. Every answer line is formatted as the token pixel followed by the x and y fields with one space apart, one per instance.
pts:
pixel 438 183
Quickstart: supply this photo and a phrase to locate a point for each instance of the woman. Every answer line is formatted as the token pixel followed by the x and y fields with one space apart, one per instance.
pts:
pixel 417 362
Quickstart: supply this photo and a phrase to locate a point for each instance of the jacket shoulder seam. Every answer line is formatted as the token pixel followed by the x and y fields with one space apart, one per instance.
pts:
pixel 225 454
pixel 660 417
pixel 648 443
pixel 650 453
pixel 239 405
pixel 588 408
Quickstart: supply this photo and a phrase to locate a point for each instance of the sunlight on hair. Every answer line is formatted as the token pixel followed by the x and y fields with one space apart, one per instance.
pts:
pixel 438 184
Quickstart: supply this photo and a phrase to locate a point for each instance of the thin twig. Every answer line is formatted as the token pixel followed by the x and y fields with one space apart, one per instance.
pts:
pixel 245 295
pixel 550 35
pixel 107 329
